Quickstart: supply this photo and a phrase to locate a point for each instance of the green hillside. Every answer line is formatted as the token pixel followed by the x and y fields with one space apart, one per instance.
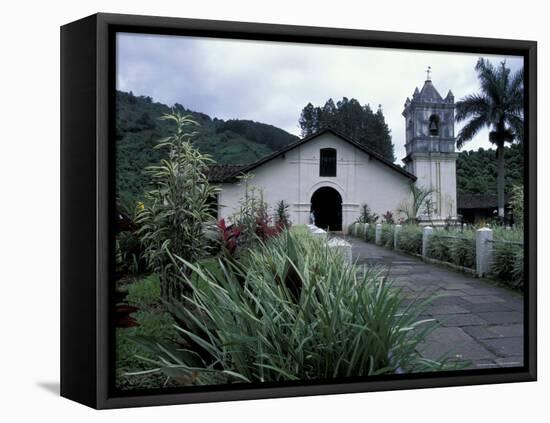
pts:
pixel 138 129
pixel 476 171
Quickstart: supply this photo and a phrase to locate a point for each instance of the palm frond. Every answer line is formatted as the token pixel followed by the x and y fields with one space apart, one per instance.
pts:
pixel 470 130
pixel 473 104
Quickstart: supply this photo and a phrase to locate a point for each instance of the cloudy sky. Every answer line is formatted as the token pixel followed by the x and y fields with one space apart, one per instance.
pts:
pixel 271 82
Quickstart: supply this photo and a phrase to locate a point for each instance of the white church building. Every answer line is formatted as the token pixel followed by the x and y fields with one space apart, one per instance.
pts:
pixel 332 176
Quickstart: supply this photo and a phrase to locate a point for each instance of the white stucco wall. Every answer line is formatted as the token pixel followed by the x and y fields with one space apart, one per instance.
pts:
pixel 437 172
pixel 294 177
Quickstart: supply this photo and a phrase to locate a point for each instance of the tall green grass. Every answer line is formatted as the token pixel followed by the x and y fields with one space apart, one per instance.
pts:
pixel 387 235
pixel 409 239
pixel 508 257
pixel 454 246
pixel 291 310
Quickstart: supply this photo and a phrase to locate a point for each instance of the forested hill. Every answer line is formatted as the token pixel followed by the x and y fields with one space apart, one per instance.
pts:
pixel 476 171
pixel 138 129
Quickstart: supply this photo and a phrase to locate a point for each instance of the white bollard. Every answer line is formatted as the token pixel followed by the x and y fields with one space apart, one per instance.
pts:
pixel 484 251
pixel 396 230
pixel 342 247
pixel 427 232
pixel 365 231
pixel 378 236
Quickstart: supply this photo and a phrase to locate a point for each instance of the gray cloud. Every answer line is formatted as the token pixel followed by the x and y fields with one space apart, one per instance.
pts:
pixel 271 82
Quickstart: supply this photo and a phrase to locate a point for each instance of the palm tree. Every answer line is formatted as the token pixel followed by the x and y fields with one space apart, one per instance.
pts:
pixel 499 106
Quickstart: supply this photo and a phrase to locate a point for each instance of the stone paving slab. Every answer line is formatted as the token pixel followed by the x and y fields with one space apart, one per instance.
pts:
pixel 480 323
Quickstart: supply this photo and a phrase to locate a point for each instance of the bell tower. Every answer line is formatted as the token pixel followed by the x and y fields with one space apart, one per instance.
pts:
pixel 430 148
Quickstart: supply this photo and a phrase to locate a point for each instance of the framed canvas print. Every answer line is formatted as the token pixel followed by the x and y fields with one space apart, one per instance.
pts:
pixel 255 211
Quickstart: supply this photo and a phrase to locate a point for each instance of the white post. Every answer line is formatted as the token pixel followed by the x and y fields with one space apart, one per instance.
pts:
pixel 427 232
pixel 396 230
pixel 366 230
pixel 484 251
pixel 378 233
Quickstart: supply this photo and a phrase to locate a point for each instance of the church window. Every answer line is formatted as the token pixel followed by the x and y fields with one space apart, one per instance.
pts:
pixel 327 165
pixel 434 125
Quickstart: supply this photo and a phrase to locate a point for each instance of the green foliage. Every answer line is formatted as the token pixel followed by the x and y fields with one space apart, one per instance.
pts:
pixel 508 257
pixel 145 292
pixel 176 211
pixel 418 203
pixel 252 210
pixel 152 320
pixel 352 119
pixel 282 217
pixel 476 171
pixel 138 127
pixel 516 203
pixel 453 246
pixel 128 248
pixel 370 233
pixel 366 215
pixel 130 355
pixel 499 107
pixel 409 239
pixel 387 235
pixel 252 323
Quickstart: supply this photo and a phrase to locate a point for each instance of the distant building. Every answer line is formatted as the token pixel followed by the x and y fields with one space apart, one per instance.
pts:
pixel 475 208
pixel 331 175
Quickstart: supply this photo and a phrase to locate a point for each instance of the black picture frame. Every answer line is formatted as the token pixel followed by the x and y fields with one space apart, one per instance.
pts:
pixel 87 206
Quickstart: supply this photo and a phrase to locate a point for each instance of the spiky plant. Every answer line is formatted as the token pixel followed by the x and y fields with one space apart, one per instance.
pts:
pixel 291 310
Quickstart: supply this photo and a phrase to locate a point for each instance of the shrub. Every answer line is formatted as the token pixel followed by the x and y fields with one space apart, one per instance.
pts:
pixel 366 215
pixel 292 310
pixel 172 219
pixel 370 233
pixel 409 239
pixel 128 248
pixel 453 247
pixel 282 218
pixel 130 355
pixel 516 204
pixel 386 236
pixel 508 257
pixel 388 218
pixel 144 292
pixel 360 231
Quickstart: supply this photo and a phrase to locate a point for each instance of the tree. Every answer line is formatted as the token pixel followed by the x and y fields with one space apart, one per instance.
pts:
pixel 175 215
pixel 499 107
pixel 352 119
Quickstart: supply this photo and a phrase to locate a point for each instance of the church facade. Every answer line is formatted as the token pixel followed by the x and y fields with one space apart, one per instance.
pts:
pixel 328 176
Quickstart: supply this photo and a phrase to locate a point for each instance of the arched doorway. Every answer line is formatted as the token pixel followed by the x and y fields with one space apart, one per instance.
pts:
pixel 326 205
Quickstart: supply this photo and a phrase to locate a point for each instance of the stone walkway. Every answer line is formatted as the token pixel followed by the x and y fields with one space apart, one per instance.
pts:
pixel 480 322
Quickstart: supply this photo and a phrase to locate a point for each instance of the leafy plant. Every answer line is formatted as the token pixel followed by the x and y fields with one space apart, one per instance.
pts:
pixel 251 323
pixel 128 248
pixel 252 220
pixel 173 219
pixel 453 246
pixel 516 203
pixel 388 218
pixel 366 215
pixel 410 239
pixel 418 203
pixel 370 233
pixel 387 235
pixel 282 217
pixel 508 256
pixel 144 292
